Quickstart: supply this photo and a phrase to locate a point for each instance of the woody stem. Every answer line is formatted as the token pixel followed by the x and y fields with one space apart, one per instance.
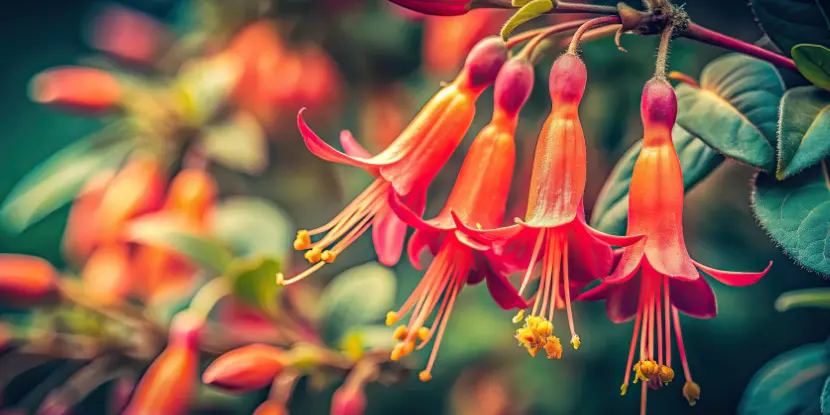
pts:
pixel 710 37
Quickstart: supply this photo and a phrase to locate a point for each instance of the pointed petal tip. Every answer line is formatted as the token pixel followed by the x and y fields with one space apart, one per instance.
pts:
pixel 734 279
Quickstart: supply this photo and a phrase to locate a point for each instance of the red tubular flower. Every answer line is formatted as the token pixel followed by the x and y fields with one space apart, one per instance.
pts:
pixel 87 90
pixel 554 230
pixel 406 167
pixel 26 279
pixel 245 369
pixel 437 7
pixel 477 199
pixel 167 385
pixel 670 280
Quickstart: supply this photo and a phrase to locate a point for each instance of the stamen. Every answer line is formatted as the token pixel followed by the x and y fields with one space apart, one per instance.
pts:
pixel 657 308
pixel 668 319
pixel 533 258
pixel 425 375
pixel 624 387
pixel 643 397
pixel 680 347
pixel 553 287
pixel 574 337
pixel 281 277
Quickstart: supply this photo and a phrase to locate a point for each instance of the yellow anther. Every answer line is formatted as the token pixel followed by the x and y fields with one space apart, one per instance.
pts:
pixel 528 337
pixel 391 318
pixel 518 317
pixel 301 245
pixel 645 370
pixel 553 347
pixel 397 352
pixel 302 234
pixel 478 226
pixel 400 333
pixel 532 350
pixel 575 342
pixel 666 374
pixel 545 328
pixel 280 279
pixel 313 255
pixel 408 347
pixel 534 321
pixel 423 334
pixel 623 389
pixel 328 256
pixel 691 391
pixel 425 376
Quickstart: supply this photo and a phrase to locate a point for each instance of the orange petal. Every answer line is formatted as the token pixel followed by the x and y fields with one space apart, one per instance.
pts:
pixel 25 279
pixel 81 235
pixel 107 275
pixel 138 188
pixel 76 88
pixel 193 193
pixel 245 369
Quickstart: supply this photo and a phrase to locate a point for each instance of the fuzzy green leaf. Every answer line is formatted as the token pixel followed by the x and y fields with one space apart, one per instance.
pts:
pixel 804 130
pixel 813 61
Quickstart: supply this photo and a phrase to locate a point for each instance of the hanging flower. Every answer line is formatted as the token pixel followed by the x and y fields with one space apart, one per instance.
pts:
pixel 406 167
pixel 669 281
pixel 437 7
pixel 554 230
pixel 478 199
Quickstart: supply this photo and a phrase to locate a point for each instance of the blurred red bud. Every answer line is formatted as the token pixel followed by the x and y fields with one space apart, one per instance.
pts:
pixel 81 235
pixel 271 408
pixel 127 34
pixel 437 7
pixel 81 89
pixel 384 115
pixel 107 275
pixel 192 192
pixel 320 85
pixel 138 188
pixel 447 40
pixel 245 369
pixel 120 394
pixel 26 279
pixel 348 401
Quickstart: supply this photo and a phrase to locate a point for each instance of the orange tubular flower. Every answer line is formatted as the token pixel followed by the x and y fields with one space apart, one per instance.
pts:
pixel 137 189
pixel 478 199
pixel 25 279
pixel 81 235
pixel 167 385
pixel 670 280
pixel 406 167
pixel 86 90
pixel 554 230
pixel 107 275
pixel 245 369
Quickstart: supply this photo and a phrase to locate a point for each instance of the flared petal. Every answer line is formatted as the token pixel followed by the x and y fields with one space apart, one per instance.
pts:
pixel 622 301
pixel 735 279
pixel 588 257
pixel 503 292
pixel 629 263
pixel 694 298
pixel 414 219
pixel 485 235
pixel 470 242
pixel 389 231
pixel 423 239
pixel 352 147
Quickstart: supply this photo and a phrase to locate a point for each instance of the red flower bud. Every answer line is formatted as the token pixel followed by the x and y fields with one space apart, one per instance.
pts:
pixel 658 107
pixel 107 275
pixel 437 7
pixel 76 88
pixel 245 369
pixel 568 77
pixel 271 408
pixel 484 61
pixel 513 85
pixel 138 188
pixel 81 235
pixel 348 401
pixel 127 34
pixel 25 279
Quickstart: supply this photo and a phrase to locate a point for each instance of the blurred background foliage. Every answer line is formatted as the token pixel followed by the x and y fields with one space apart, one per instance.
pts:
pixel 389 66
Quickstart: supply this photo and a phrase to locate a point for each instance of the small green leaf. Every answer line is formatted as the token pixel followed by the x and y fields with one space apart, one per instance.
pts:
pixel 203 87
pixel 254 281
pixel 58 179
pixel 735 111
pixel 796 214
pixel 811 297
pixel 804 130
pixel 825 397
pixel 611 208
pixel 239 144
pixel 788 384
pixel 254 226
pixel 528 10
pixel 813 61
pixel 357 296
pixel 166 232
pixel 790 22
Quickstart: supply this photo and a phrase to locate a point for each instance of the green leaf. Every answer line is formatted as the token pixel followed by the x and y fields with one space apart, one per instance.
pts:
pixel 811 297
pixel 57 180
pixel 735 110
pixel 790 22
pixel 825 397
pixel 611 208
pixel 254 226
pixel 357 296
pixel 804 130
pixel 358 339
pixel 166 232
pixel 796 214
pixel 813 61
pixel 254 281
pixel 203 87
pixel 239 144
pixel 789 384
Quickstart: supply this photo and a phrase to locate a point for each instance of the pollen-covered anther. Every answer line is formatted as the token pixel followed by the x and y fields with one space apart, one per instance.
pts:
pixel 313 255
pixel 623 389
pixel 532 350
pixel 400 333
pixel 575 341
pixel 553 347
pixel 544 328
pixel 328 256
pixel 666 374
pixel 425 376
pixel 534 321
pixel 391 318
pixel 645 370
pixel 518 317
pixel 303 240
pixel 423 334
pixel 397 352
pixel 691 391
pixel 528 337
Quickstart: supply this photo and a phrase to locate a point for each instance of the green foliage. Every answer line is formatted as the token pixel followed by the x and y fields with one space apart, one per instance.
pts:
pixel 790 22
pixel 811 297
pixel 164 232
pixel 789 384
pixel 825 397
pixel 203 87
pixel 611 208
pixel 796 214
pixel 804 128
pixel 813 61
pixel 238 143
pixel 253 226
pixel 253 282
pixel 357 296
pixel 735 110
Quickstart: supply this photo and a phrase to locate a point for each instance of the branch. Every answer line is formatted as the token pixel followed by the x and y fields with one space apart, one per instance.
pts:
pixel 710 37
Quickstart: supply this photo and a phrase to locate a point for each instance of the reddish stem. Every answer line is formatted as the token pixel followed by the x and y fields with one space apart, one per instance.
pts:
pixel 545 32
pixel 590 24
pixel 710 37
pixel 561 7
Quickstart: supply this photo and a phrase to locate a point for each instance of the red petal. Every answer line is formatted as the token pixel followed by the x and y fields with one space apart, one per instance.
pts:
pixel 735 279
pixel 505 295
pixel 623 300
pixel 413 219
pixel 26 278
pixel 352 147
pixel 389 231
pixel 694 298
pixel 245 369
pixel 127 34
pixel 485 235
pixel 630 260
pixel 419 241
pixel 77 88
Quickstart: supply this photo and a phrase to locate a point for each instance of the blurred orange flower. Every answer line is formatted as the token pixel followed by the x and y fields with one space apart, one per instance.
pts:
pixel 447 40
pixel 24 279
pixel 87 91
pixel 245 369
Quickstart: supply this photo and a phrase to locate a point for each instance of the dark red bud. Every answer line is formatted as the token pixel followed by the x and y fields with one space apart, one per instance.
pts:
pixel 436 7
pixel 348 401
pixel 485 61
pixel 513 85
pixel 568 77
pixel 659 104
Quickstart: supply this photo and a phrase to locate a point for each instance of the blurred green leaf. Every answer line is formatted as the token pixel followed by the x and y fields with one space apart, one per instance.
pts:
pixel 357 296
pixel 204 85
pixel 735 110
pixel 165 232
pixel 796 214
pixel 788 384
pixel 238 143
pixel 57 180
pixel 825 397
pixel 812 297
pixel 358 339
pixel 254 226
pixel 790 22
pixel 803 130
pixel 611 208
pixel 813 61
pixel 254 281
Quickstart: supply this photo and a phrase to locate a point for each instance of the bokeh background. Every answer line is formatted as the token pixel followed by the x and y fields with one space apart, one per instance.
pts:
pixel 388 65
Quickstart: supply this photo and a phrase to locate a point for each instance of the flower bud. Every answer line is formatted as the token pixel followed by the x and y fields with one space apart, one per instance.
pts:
pixel 127 34
pixel 485 61
pixel 659 104
pixel 348 401
pixel 107 275
pixel 192 192
pixel 568 77
pixel 436 7
pixel 271 408
pixel 81 235
pixel 25 279
pixel 136 189
pixel 513 85
pixel 120 394
pixel 245 369
pixel 76 88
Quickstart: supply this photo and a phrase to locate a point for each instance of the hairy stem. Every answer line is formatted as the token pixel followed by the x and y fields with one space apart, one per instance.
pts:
pixel 663 53
pixel 599 21
pixel 546 31
pixel 710 37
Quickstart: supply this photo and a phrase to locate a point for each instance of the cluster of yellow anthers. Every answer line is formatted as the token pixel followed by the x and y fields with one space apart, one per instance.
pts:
pixel 406 342
pixel 313 254
pixel 537 334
